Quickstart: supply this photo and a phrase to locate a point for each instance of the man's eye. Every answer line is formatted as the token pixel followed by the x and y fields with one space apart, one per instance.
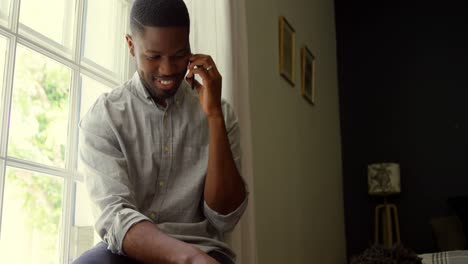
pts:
pixel 180 56
pixel 153 57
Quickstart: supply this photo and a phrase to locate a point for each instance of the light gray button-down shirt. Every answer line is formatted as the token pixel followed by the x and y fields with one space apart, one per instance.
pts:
pixel 141 162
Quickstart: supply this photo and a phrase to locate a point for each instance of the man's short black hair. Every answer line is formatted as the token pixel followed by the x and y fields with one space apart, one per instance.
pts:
pixel 158 13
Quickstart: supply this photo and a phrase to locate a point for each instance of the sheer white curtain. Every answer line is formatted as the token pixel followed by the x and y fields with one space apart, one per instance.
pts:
pixel 218 28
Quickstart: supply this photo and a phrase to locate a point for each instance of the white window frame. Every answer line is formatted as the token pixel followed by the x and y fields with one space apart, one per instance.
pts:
pixel 74 61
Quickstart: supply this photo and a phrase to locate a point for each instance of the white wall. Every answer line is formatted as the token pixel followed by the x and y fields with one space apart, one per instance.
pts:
pixel 297 154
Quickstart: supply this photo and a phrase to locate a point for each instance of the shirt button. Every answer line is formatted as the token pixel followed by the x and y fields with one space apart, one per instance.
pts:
pixel 153 216
pixel 166 149
pixel 161 183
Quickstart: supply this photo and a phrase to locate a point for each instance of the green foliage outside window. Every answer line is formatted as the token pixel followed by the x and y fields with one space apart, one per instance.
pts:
pixel 38 134
pixel 40 109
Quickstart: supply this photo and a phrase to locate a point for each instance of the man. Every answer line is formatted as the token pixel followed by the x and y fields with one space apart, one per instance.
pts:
pixel 160 160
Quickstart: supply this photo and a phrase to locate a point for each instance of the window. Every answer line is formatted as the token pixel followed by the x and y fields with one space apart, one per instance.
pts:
pixel 49 24
pixel 32 214
pixel 102 22
pixel 4 12
pixel 56 58
pixel 3 43
pixel 39 109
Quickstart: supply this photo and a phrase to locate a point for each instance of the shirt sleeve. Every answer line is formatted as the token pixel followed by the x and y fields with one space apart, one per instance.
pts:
pixel 104 168
pixel 226 223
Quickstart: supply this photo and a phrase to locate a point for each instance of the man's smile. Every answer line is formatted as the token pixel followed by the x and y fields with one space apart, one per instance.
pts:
pixel 164 83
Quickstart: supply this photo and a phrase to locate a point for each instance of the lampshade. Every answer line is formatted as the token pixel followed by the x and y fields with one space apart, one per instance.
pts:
pixel 383 178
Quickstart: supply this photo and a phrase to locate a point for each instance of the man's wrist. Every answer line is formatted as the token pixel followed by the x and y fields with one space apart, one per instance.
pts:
pixel 215 115
pixel 189 255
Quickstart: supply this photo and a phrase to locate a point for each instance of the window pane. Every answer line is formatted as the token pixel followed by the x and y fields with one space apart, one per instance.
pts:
pixel 3 43
pixel 4 12
pixel 90 91
pixel 39 116
pixel 53 20
pixel 32 215
pixel 83 235
pixel 104 32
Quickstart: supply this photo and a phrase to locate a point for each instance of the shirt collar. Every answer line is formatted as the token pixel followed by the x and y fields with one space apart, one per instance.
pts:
pixel 143 92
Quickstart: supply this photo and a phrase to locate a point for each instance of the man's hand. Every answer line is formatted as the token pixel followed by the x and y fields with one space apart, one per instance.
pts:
pixel 224 188
pixel 201 258
pixel 146 243
pixel 209 92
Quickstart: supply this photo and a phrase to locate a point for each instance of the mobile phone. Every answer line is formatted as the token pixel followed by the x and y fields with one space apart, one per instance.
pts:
pixel 193 79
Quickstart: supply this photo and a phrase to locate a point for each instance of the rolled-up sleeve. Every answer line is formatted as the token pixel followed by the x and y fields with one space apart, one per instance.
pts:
pixel 104 167
pixel 226 223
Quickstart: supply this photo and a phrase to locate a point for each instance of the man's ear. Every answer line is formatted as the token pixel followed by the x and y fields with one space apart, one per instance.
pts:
pixel 131 44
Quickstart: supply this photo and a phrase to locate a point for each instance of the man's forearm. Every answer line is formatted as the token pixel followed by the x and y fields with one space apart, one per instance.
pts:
pixel 146 243
pixel 224 187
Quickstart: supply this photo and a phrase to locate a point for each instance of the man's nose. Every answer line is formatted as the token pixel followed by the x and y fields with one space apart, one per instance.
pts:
pixel 167 66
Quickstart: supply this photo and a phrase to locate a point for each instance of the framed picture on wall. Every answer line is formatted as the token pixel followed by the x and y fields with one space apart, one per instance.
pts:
pixel 308 75
pixel 286 49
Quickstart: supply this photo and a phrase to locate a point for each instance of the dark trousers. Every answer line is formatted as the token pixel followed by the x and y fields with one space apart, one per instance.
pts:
pixel 99 254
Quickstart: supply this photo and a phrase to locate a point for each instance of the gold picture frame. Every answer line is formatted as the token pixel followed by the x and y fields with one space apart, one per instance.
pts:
pixel 308 66
pixel 287 42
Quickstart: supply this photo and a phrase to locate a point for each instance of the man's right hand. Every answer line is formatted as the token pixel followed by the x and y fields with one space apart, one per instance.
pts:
pixel 146 243
pixel 201 258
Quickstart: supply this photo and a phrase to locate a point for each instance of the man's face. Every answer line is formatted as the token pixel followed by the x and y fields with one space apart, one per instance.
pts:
pixel 162 55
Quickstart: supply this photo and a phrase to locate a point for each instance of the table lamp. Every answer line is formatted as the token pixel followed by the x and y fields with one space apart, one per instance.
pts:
pixel 383 180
